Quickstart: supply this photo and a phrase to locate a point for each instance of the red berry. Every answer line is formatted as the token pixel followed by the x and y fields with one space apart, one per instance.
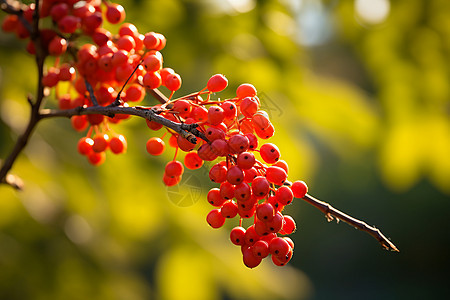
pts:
pixel 242 192
pixel 279 247
pixel 250 174
pixel 68 24
pixel 260 120
pixel 220 147
pixel 215 115
pixel 215 218
pixel 115 13
pixel 151 80
pixel 260 249
pixel 101 142
pixel 245 160
pixel 85 145
pixel 251 237
pixel 96 158
pixel 265 212
pixel 227 190
pixel 128 29
pixel 214 198
pixel 238 143
pixel 118 144
pixel 276 175
pixel 151 40
pixel 235 175
pixel 217 83
pixel 250 260
pixel 249 106
pixel 284 195
pixel 218 173
pixel 289 225
pixel 171 181
pixel 173 82
pixel 299 188
pixel 269 153
pixel 134 92
pixel 200 114
pixel 192 161
pixel 237 236
pixel 276 223
pixel 79 123
pixel 152 63
pixel 155 146
pixel 205 152
pixel 174 168
pixel 229 209
pixel 229 109
pixel 260 187
pixel 153 125
pixel 246 90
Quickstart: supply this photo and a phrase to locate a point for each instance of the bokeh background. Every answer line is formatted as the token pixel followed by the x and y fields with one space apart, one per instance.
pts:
pixel 359 94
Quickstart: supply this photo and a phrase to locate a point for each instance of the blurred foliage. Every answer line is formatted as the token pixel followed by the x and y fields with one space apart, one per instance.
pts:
pixel 361 109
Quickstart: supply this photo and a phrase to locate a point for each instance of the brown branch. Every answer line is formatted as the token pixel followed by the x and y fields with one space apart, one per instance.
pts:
pixel 331 212
pixel 187 131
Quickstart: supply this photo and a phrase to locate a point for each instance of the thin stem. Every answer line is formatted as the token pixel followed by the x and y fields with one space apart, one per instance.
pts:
pixel 331 212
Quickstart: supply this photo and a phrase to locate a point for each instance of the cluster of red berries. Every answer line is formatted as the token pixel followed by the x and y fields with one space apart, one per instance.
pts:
pixel 117 69
pixel 105 65
pixel 251 186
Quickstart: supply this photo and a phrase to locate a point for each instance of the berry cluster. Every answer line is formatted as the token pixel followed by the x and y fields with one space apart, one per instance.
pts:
pixel 252 178
pixel 103 66
pixel 115 70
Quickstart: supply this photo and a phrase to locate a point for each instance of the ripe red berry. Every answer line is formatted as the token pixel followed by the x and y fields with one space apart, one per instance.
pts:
pixel 242 192
pixel 229 209
pixel 260 249
pixel 245 160
pixel 96 158
pixel 249 106
pixel 284 195
pixel 155 146
pixel 299 188
pixel 115 13
pixel 205 152
pixel 251 237
pixel 69 24
pixel 246 90
pixel 215 115
pixel 217 83
pixel 79 123
pixel 214 198
pixel 238 143
pixel 265 211
pixel 276 175
pixel 279 247
pixel 229 109
pixel 101 142
pixel 289 225
pixel 118 144
pixel 151 80
pixel 218 173
pixel 171 181
pixel 192 161
pixel 237 235
pixel 269 153
pixel 173 82
pixel 174 168
pixel 85 145
pixel 215 218
pixel 235 175
pixel 260 187
pixel 250 260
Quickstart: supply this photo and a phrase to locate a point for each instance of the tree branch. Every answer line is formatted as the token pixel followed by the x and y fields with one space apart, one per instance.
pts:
pixel 331 212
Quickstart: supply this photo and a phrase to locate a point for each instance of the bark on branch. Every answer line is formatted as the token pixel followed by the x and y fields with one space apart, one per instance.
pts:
pixel 331 212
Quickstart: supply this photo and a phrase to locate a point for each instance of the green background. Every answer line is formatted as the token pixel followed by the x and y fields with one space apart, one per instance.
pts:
pixel 361 112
